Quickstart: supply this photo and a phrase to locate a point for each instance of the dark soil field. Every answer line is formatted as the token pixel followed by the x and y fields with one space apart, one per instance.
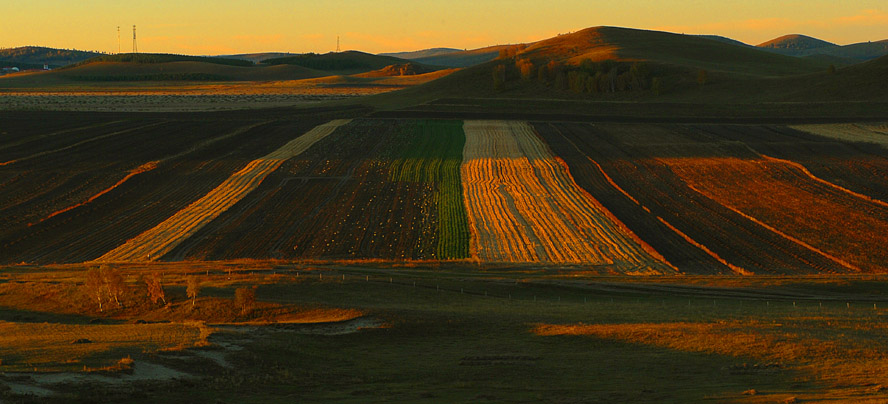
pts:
pixel 357 253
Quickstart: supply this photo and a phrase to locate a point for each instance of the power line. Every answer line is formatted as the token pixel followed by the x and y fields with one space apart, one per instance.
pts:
pixel 118 39
pixel 135 47
pixel 337 44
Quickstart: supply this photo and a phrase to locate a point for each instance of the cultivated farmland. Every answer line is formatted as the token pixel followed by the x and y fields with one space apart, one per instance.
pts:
pixel 523 206
pixel 374 189
pixel 657 180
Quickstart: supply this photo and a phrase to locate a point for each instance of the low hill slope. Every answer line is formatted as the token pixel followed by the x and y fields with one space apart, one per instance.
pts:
pixel 861 82
pixel 37 55
pixel 463 58
pixel 618 64
pixel 167 71
pixel 425 53
pixel 257 57
pixel 407 69
pixel 790 44
pixel 801 45
pixel 687 51
pixel 350 62
pixel 153 58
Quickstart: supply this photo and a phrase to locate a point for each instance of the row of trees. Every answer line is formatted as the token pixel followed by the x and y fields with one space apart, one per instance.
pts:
pixel 106 284
pixel 607 76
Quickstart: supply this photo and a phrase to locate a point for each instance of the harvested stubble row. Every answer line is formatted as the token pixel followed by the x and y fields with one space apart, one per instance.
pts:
pixel 161 239
pixel 523 206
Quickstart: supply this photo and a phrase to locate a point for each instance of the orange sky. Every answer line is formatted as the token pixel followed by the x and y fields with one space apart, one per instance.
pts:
pixel 229 26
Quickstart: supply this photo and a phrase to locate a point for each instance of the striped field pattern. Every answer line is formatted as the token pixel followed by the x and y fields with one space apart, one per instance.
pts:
pixel 523 206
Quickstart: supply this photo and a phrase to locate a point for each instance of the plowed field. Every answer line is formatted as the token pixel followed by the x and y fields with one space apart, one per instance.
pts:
pixel 709 199
pixel 523 206
pixel 375 189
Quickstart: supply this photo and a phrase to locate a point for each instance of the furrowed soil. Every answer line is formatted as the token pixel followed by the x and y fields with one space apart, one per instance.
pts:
pixel 641 165
pixel 375 189
pixel 68 202
pixel 523 206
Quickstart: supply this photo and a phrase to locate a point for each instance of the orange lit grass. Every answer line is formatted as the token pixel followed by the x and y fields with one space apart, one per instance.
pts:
pixel 49 347
pixel 842 361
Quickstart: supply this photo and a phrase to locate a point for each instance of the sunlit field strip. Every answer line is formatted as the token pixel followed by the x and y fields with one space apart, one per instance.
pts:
pixel 153 243
pixel 855 132
pixel 524 206
pixel 847 229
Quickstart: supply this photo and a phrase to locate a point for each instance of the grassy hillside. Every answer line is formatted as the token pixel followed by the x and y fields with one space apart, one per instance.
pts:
pixel 801 46
pixel 37 55
pixel 350 62
pixel 153 58
pixel 795 42
pixel 158 72
pixel 425 53
pixel 256 57
pixel 634 59
pixel 463 58
pixel 686 51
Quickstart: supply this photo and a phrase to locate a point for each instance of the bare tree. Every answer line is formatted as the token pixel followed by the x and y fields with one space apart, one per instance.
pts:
pixel 244 298
pixel 114 283
pixel 193 288
pixel 95 286
pixel 155 288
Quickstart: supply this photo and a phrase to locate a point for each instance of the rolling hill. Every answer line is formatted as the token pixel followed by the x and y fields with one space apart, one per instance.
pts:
pixel 795 43
pixel 465 58
pixel 801 46
pixel 425 53
pixel 37 55
pixel 343 63
pixel 153 58
pixel 594 63
pixel 257 57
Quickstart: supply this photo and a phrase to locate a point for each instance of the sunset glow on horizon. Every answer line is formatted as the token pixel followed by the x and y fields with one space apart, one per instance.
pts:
pixel 229 27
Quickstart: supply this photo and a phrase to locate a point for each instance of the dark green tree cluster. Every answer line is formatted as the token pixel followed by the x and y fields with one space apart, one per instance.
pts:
pixel 148 58
pixel 606 76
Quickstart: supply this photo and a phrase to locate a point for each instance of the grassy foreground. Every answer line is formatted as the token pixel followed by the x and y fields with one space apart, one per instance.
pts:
pixel 463 335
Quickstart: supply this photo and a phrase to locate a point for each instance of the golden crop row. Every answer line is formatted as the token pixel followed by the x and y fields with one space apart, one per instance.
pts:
pixel 156 242
pixel 523 205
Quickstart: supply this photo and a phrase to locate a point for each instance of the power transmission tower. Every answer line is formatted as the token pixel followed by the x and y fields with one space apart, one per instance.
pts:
pixel 118 39
pixel 337 44
pixel 135 47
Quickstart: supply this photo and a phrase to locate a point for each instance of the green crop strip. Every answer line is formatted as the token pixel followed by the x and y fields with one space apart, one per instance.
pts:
pixel 432 154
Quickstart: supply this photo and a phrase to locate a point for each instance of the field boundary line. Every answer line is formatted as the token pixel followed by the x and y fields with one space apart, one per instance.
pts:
pixel 782 234
pixel 736 269
pixel 132 173
pixel 144 168
pixel 161 239
pixel 82 142
pixel 56 133
pixel 837 187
